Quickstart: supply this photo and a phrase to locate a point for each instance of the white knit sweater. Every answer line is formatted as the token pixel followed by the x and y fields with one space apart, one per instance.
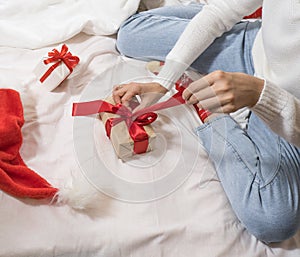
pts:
pixel 276 56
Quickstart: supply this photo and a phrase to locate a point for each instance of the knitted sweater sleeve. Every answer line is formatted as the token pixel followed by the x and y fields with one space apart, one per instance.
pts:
pixel 215 18
pixel 280 110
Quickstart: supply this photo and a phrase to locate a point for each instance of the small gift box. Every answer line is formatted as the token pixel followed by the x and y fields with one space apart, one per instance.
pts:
pixel 127 136
pixel 55 68
pixel 130 133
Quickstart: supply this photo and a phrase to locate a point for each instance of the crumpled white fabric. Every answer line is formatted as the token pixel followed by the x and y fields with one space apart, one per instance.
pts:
pixel 34 24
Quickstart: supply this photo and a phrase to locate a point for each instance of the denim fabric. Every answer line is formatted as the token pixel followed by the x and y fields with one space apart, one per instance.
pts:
pixel 259 172
pixel 151 35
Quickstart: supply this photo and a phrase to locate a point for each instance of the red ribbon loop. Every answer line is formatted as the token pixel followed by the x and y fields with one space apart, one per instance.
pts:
pixel 146 119
pixel 135 126
pixel 57 57
pixel 134 123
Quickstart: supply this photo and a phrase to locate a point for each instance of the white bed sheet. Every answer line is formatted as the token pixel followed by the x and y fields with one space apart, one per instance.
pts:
pixel 195 220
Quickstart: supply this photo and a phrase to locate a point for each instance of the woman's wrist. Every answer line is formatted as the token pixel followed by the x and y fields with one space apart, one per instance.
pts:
pixel 258 87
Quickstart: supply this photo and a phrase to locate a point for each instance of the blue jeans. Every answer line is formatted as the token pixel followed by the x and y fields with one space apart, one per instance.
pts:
pixel 151 35
pixel 260 174
pixel 259 171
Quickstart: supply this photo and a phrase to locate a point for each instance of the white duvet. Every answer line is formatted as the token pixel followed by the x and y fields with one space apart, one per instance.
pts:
pixel 33 24
pixel 195 220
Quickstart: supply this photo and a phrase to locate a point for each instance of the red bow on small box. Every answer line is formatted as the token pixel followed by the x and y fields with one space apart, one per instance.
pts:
pixel 135 122
pixel 57 58
pixel 135 126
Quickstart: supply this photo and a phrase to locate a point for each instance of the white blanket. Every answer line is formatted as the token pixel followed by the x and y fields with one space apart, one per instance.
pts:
pixel 194 220
pixel 35 24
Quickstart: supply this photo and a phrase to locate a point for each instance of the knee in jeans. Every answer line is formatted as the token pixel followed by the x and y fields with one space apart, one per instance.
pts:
pixel 273 227
pixel 127 35
pixel 123 40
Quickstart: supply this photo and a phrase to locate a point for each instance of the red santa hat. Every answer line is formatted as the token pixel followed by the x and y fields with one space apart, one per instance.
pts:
pixel 20 181
pixel 16 178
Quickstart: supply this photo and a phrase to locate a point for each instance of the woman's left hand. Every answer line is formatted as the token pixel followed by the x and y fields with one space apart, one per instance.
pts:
pixel 225 92
pixel 149 93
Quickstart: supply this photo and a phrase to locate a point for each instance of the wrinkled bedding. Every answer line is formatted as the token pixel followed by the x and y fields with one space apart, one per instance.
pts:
pixel 186 217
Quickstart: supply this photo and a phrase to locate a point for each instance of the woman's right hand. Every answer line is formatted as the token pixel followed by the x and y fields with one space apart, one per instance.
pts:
pixel 149 93
pixel 225 92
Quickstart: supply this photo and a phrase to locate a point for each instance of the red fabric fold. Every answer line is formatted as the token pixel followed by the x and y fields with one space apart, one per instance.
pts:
pixel 15 177
pixel 256 15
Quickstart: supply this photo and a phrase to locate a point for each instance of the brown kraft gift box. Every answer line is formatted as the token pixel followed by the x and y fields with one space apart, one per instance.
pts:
pixel 120 138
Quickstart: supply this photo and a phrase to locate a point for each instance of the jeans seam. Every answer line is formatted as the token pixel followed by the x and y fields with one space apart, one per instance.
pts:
pixel 235 153
pixel 248 55
pixel 277 170
pixel 208 124
pixel 157 17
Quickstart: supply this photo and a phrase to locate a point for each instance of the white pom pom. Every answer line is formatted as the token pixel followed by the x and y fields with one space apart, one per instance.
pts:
pixel 79 194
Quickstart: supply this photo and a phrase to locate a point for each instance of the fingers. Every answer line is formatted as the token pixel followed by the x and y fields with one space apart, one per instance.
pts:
pixel 117 93
pixel 200 95
pixel 199 90
pixel 213 104
pixel 214 92
pixel 149 92
pixel 123 93
pixel 127 96
pixel 189 94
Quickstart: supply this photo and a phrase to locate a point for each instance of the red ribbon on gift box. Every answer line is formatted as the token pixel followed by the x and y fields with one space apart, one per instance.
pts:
pixel 135 127
pixel 58 57
pixel 183 83
pixel 135 121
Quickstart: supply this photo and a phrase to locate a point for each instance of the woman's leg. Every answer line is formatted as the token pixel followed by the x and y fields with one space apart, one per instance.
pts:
pixel 152 34
pixel 260 173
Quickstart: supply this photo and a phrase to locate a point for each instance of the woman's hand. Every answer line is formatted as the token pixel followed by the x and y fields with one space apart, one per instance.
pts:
pixel 149 93
pixel 224 91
